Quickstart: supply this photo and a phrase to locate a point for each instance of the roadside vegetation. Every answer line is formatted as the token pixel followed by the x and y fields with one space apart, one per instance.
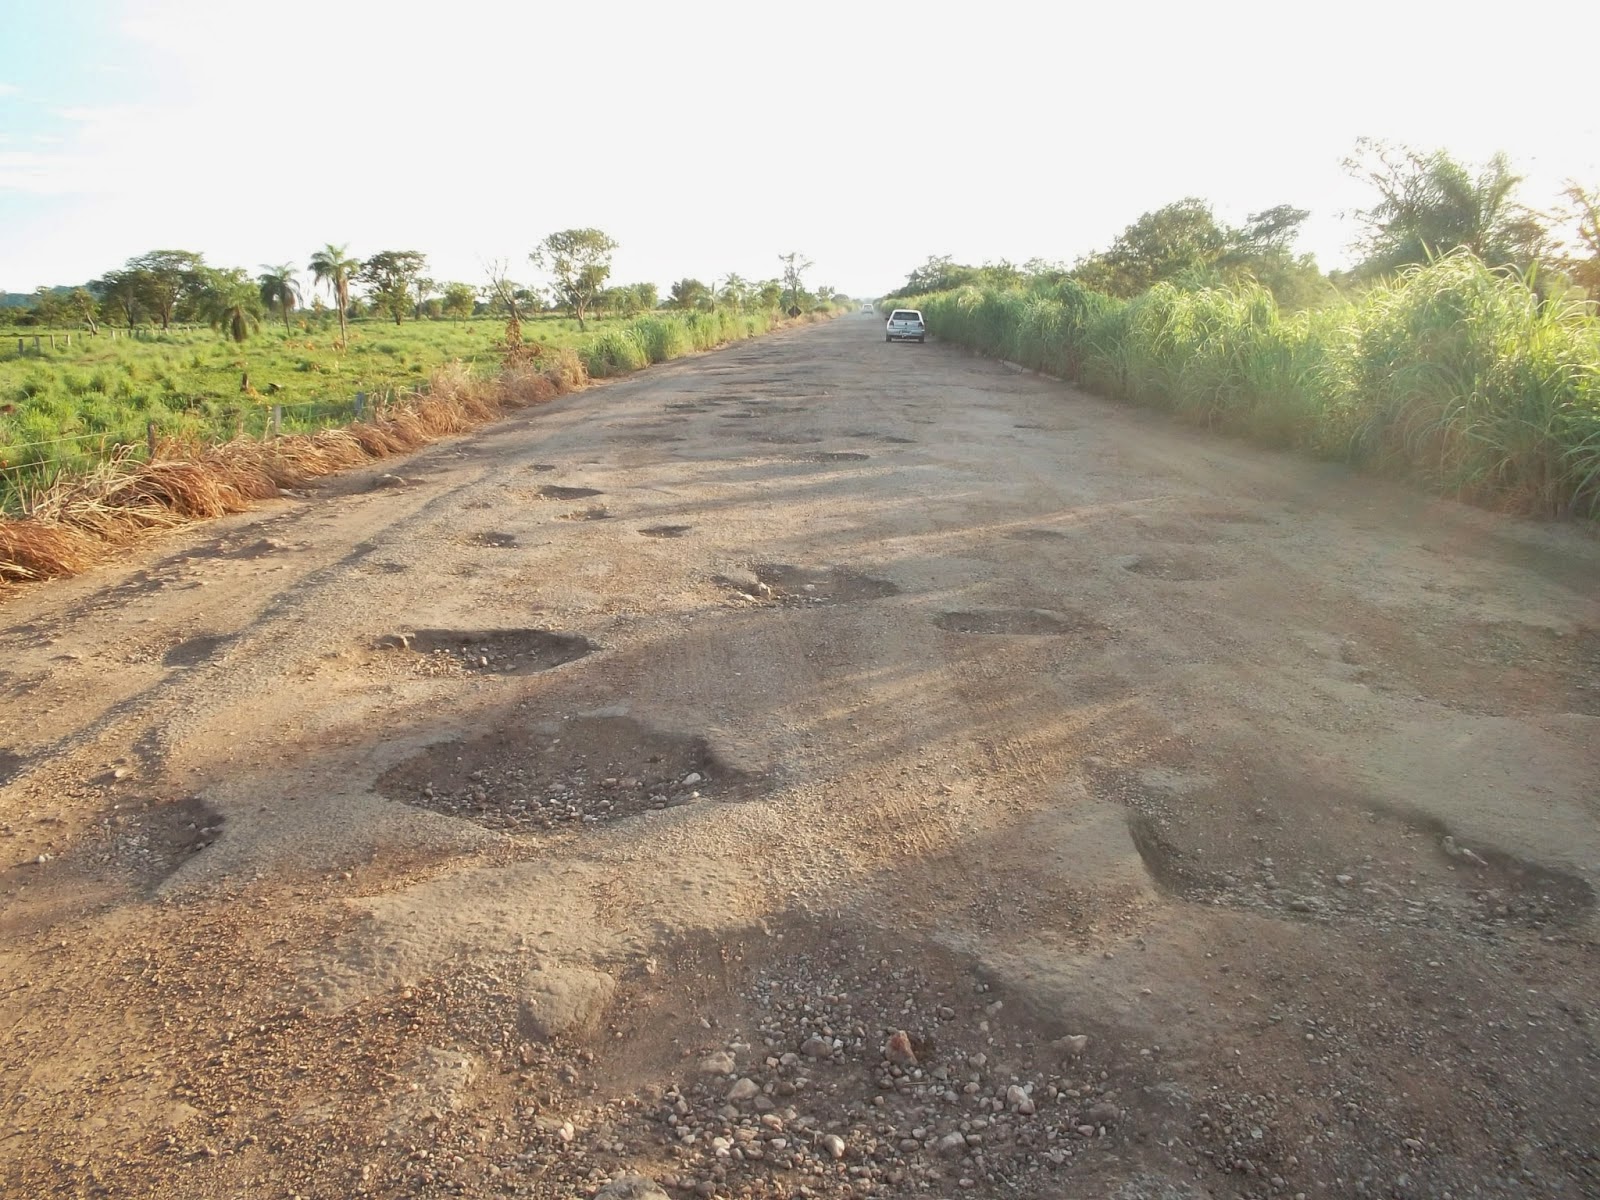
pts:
pixel 187 392
pixel 1463 351
pixel 169 350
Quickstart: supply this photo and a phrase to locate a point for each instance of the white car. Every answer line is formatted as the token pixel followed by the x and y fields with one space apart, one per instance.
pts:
pixel 905 325
pixel 866 306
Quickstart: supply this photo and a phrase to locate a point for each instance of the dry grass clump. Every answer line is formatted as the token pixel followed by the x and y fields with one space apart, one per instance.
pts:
pixel 68 524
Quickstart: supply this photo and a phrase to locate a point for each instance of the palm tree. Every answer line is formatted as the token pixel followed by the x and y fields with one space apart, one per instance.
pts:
pixel 232 303
pixel 333 267
pixel 280 290
pixel 735 290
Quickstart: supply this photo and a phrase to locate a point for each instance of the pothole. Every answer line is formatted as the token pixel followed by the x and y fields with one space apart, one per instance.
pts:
pixel 781 583
pixel 494 540
pixel 742 414
pixel 553 773
pixel 665 531
pixel 863 1063
pixel 194 651
pixel 541 468
pixel 1016 622
pixel 774 439
pixel 155 837
pixel 1177 568
pixel 689 406
pixel 596 512
pixel 551 491
pixel 832 456
pixel 1230 516
pixel 488 651
pixel 1035 535
pixel 11 764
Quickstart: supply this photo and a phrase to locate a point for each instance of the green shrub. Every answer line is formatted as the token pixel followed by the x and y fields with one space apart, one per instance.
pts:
pixel 1457 374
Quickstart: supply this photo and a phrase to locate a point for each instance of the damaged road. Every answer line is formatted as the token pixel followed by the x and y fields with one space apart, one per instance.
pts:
pixel 932 782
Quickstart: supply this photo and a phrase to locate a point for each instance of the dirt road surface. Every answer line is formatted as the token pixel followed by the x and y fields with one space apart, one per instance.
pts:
pixel 820 768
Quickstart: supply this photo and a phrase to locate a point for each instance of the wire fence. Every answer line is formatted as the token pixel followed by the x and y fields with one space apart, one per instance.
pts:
pixel 258 420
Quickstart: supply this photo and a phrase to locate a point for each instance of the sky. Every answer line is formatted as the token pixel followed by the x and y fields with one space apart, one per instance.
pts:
pixel 711 137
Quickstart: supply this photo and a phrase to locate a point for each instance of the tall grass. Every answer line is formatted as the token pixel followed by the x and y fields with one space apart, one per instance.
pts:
pixel 1455 374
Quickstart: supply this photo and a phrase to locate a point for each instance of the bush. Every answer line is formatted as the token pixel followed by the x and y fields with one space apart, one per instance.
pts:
pixel 1456 374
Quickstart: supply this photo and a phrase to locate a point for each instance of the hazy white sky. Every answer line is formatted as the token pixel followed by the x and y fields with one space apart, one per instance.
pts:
pixel 709 137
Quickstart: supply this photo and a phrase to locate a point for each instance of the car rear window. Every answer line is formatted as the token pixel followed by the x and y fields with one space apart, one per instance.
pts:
pixel 905 314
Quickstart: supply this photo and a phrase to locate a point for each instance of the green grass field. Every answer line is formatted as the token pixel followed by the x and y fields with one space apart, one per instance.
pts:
pixel 64 409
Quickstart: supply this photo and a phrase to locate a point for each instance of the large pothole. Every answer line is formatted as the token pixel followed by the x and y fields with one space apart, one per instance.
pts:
pixel 551 773
pixel 487 651
pixel 1017 622
pixel 154 837
pixel 195 650
pixel 11 764
pixel 782 583
pixel 862 1063
pixel 1177 568
pixel 831 456
pixel 551 491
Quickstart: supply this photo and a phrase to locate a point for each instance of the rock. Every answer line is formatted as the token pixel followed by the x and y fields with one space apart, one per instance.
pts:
pixel 693 778
pixel 899 1051
pixel 952 1143
pixel 1072 1046
pixel 1104 1113
pixel 744 1089
pixel 1018 1100
pixel 564 1001
pixel 631 1187
pixel 817 1047
pixel 833 1144
pixel 1344 880
pixel 718 1063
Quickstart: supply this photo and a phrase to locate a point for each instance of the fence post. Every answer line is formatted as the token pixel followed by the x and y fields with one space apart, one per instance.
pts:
pixel 37 349
pixel 52 341
pixel 277 419
pixel 361 404
pixel 19 345
pixel 150 438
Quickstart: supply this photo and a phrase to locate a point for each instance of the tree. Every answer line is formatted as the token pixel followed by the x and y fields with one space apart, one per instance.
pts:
pixel 280 290
pixel 795 265
pixel 333 268
pixel 81 304
pixel 735 291
pixel 769 295
pixel 392 275
pixel 165 279
pixel 1430 204
pixel 506 295
pixel 459 300
pixel 646 296
pixel 580 262
pixel 120 292
pixel 424 289
pixel 49 309
pixel 687 294
pixel 231 301
pixel 1582 261
pixel 1180 239
pixel 940 273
